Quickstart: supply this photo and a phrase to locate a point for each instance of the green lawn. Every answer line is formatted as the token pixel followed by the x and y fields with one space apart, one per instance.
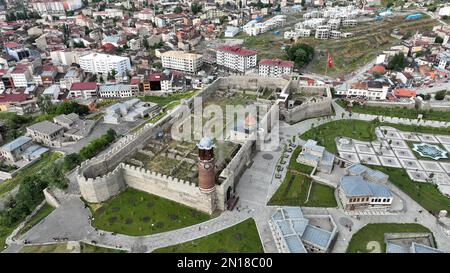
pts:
pixel 375 232
pixel 398 112
pixel 138 213
pixel 426 194
pixel 294 165
pixel 325 134
pixel 46 159
pixel 5 232
pixel 42 213
pixel 294 192
pixel 241 238
pixel 163 101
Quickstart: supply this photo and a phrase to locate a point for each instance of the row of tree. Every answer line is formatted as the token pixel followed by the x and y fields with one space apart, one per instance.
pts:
pixel 30 193
pixel 66 107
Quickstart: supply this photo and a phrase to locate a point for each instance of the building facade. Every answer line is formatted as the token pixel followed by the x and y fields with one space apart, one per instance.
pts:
pixel 104 63
pixel 182 61
pixel 236 58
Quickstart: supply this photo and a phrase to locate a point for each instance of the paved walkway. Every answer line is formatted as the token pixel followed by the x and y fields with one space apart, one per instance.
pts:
pixel 71 219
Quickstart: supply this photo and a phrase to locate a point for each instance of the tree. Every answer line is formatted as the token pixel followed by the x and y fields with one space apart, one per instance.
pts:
pixel 301 54
pixel 397 62
pixel 178 10
pixel 71 161
pixel 440 95
pixel 438 40
pixel 196 8
pixel 146 44
pixel 99 19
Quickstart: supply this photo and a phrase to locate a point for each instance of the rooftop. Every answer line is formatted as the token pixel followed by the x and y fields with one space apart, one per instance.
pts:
pixel 16 143
pixel 276 62
pixel 237 50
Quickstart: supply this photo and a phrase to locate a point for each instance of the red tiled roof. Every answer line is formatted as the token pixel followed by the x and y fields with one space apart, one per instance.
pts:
pixel 11 45
pixel 134 81
pixel 402 92
pixel 236 49
pixel 84 86
pixel 20 68
pixel 276 62
pixel 378 69
pixel 5 98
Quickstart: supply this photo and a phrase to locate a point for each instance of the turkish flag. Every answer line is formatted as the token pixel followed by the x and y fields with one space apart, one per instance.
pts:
pixel 330 61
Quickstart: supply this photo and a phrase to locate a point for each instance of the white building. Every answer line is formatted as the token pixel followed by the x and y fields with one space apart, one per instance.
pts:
pixel 21 76
pixel 85 90
pixel 236 58
pixel 182 61
pixel 275 68
pixel 444 11
pixel 66 57
pixel 104 63
pixel 231 31
pixel 322 33
pixel 297 33
pixel 254 27
pixel 55 6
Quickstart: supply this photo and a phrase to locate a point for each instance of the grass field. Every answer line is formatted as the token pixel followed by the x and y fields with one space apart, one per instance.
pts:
pixel 398 112
pixel 46 159
pixel 294 192
pixel 426 194
pixel 170 99
pixel 138 213
pixel 325 134
pixel 375 232
pixel 241 238
pixel 369 40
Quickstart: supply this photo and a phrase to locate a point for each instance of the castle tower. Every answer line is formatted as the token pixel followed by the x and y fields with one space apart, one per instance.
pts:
pixel 206 165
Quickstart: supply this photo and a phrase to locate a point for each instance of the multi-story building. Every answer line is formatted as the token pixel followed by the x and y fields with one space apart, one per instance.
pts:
pixel 84 90
pixel 356 193
pixel 72 76
pixel 66 57
pixel 21 148
pixel 21 75
pixel 115 91
pixel 275 67
pixel 104 63
pixel 16 51
pixel 322 33
pixel 182 61
pixel 236 58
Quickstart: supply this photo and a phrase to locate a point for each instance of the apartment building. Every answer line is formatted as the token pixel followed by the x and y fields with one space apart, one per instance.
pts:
pixel 275 67
pixel 182 61
pixel 236 58
pixel 104 63
pixel 55 6
pixel 21 75
pixel 322 33
pixel 115 91
pixel 85 90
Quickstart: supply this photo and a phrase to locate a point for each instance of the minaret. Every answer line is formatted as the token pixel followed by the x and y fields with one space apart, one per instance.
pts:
pixel 206 165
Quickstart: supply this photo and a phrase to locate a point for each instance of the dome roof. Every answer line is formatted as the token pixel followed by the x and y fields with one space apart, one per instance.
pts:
pixel 205 144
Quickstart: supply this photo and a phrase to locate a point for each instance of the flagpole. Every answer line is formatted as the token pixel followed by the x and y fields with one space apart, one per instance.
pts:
pixel 326 65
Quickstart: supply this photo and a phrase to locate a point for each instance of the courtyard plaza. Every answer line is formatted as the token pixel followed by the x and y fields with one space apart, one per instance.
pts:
pixel 255 188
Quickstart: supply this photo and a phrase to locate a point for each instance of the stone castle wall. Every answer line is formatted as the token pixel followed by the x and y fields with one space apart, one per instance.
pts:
pixel 105 175
pixel 100 189
pixel 321 107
